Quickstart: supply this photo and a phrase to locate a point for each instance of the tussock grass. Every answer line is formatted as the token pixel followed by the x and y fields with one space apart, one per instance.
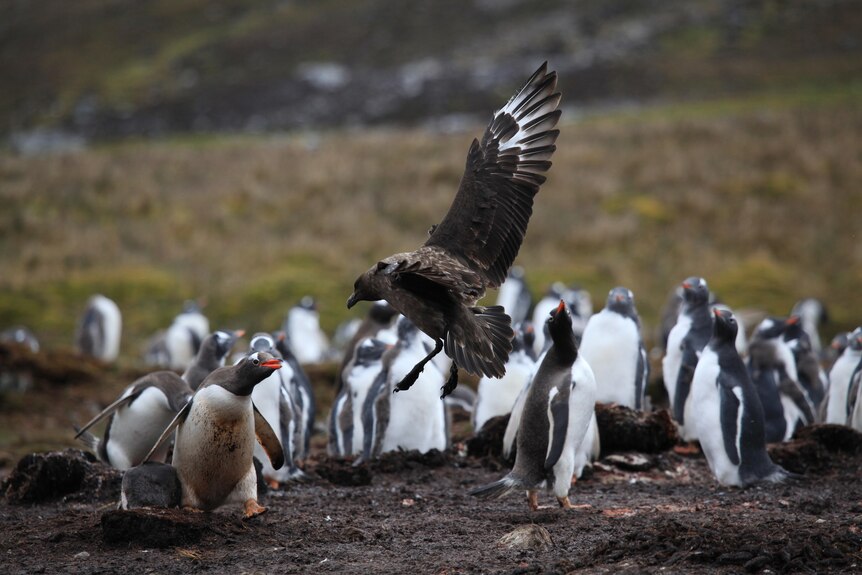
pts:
pixel 763 202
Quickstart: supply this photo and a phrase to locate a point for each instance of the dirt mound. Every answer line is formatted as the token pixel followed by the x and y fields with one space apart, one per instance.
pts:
pixel 71 474
pixel 160 528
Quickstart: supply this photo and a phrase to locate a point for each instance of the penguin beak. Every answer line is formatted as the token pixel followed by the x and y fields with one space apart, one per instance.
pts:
pixel 686 285
pixel 273 363
pixel 716 312
pixel 239 333
pixel 792 320
pixel 618 297
pixel 561 307
pixel 351 301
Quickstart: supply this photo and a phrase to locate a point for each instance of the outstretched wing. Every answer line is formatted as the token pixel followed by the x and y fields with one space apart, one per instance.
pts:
pixel 488 218
pixel 432 274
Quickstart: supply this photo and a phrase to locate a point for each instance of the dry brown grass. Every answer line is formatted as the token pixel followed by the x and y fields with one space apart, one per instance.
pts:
pixel 763 203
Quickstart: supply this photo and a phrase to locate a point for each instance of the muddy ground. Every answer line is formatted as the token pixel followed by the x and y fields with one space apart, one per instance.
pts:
pixel 411 513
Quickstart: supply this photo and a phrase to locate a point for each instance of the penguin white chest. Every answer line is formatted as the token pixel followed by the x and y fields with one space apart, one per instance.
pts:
pixel 706 412
pixel 214 447
pixel 673 357
pixel 611 345
pixel 136 428
pixel 417 418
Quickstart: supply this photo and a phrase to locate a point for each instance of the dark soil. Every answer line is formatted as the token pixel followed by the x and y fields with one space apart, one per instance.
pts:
pixel 641 509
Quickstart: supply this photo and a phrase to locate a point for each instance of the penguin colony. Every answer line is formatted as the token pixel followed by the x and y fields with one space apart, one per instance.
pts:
pixel 546 371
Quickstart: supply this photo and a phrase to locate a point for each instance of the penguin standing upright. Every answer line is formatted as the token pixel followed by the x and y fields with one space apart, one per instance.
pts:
pixel 182 339
pixel 148 405
pixel 812 377
pixel 216 431
pixel 556 416
pixel 303 398
pixel 729 422
pixel 514 295
pixel 812 313
pixel 345 420
pixel 98 333
pixel 304 336
pixel 613 347
pixel 544 307
pixel 773 371
pixel 688 337
pixel 841 377
pixel 496 396
pixel 276 403
pixel 414 420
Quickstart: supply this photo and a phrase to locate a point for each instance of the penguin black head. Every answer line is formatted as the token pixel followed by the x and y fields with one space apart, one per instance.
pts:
pixel 695 291
pixel 382 312
pixel 774 327
pixel 406 329
pixel 369 351
pixel 307 302
pixel 528 334
pixel 560 329
pixel 249 372
pixel 622 301
pixel 854 341
pixel 724 326
pixel 840 342
pixel 224 341
pixel 262 341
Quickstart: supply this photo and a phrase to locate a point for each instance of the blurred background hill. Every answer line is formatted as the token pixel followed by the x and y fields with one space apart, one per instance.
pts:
pixel 251 152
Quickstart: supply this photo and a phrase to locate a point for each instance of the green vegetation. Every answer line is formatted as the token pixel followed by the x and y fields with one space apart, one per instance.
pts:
pixel 762 201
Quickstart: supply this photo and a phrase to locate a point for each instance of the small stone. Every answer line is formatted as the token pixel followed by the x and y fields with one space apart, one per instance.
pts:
pixel 82 555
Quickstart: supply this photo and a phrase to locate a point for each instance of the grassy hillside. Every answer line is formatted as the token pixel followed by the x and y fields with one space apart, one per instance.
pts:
pixel 108 69
pixel 761 196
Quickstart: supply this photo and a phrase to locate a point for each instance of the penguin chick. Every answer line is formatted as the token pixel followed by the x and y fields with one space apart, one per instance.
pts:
pixel 613 347
pixel 216 430
pixel 556 415
pixel 152 484
pixel 730 421
pixel 98 333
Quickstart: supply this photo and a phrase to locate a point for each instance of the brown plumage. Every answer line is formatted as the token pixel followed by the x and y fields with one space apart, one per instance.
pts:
pixel 438 285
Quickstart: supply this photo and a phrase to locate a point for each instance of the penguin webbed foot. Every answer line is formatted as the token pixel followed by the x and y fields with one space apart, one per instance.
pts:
pixel 451 383
pixel 252 509
pixel 533 500
pixel 564 502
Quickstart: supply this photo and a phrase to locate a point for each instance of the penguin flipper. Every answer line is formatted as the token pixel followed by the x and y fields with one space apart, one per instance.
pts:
pixel 268 440
pixel 123 400
pixel 178 418
pixel 729 417
pixel 558 415
pixel 641 376
pixel 683 380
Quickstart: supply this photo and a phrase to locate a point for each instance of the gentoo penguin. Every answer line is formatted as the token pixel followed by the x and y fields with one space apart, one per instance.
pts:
pixel 741 338
pixel 580 307
pixel 380 316
pixel 148 405
pixel 613 347
pixel 303 398
pixel 496 396
pixel 216 431
pixel 841 377
pixel 773 372
pixel 98 333
pixel 812 314
pixel 304 336
pixel 181 341
pixel 345 420
pixel 22 336
pixel 414 420
pixel 514 295
pixel 688 337
pixel 211 355
pixel 276 401
pixel 812 377
pixel 555 419
pixel 729 422
pixel 151 484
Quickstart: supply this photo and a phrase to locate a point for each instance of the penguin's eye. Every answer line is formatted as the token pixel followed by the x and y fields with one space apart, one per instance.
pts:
pixel 255 361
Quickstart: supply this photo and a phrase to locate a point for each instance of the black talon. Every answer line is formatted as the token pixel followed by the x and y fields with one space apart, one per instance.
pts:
pixel 452 382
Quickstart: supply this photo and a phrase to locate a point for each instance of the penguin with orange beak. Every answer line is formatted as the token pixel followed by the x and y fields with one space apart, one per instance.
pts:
pixel 216 431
